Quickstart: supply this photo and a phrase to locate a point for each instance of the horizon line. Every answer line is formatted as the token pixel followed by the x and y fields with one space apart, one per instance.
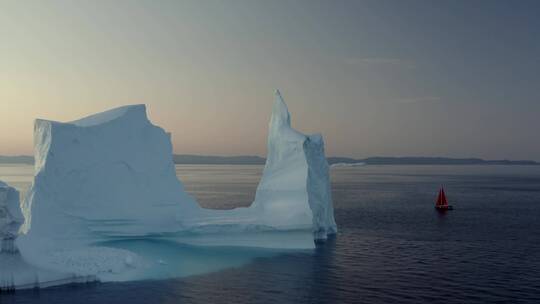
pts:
pixel 337 157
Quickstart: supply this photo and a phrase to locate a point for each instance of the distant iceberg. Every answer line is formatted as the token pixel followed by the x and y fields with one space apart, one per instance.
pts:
pixel 11 217
pixel 110 178
pixel 348 164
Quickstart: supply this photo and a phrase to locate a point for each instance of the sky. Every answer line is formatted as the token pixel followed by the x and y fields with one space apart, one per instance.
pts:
pixel 385 78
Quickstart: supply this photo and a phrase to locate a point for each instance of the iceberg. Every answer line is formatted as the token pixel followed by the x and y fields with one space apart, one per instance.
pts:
pixel 337 165
pixel 11 217
pixel 106 175
pixel 294 192
pixel 14 271
pixel 109 178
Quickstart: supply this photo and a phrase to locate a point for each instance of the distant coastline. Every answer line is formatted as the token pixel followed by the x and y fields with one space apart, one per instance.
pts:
pixel 429 161
pixel 190 159
pixel 19 159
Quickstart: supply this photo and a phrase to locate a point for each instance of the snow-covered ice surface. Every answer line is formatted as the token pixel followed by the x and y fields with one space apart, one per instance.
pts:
pixel 108 180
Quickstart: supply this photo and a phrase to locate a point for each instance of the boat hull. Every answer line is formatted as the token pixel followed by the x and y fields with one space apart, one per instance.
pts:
pixel 444 208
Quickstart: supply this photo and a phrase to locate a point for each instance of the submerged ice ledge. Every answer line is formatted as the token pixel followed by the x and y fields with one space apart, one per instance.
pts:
pixel 111 177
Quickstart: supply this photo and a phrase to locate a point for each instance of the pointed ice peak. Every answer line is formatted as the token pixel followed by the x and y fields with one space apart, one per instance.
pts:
pixel 280 112
pixel 278 94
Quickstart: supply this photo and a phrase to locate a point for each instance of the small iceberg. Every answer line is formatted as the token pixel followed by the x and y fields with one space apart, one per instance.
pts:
pixel 337 165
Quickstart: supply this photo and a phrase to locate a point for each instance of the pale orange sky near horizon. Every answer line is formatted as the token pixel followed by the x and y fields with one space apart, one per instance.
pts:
pixel 374 78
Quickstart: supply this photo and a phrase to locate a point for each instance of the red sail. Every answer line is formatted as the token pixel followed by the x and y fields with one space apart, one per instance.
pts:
pixel 441 199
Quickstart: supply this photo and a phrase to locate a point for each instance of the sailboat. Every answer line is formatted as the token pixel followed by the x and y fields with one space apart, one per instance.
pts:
pixel 442 204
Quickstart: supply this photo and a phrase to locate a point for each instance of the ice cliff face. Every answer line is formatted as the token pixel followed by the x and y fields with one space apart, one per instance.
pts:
pixel 106 176
pixel 11 217
pixel 109 174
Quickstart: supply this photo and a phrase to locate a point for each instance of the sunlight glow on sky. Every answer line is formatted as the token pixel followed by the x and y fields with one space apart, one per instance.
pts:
pixel 392 78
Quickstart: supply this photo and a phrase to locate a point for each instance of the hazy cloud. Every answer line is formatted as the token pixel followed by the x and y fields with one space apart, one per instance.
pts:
pixel 381 61
pixel 421 99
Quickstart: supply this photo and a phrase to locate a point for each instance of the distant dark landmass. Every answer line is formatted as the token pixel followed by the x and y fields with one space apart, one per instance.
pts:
pixel 19 159
pixel 428 161
pixel 189 159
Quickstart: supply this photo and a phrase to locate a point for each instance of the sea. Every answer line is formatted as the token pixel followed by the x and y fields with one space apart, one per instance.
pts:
pixel 392 245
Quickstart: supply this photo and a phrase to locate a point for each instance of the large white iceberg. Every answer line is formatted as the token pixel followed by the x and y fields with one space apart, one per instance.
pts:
pixel 110 177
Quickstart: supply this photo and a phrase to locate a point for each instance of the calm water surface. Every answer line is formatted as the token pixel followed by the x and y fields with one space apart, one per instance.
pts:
pixel 392 246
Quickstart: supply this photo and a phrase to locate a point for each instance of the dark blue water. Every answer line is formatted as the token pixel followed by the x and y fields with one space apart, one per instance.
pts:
pixel 392 246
